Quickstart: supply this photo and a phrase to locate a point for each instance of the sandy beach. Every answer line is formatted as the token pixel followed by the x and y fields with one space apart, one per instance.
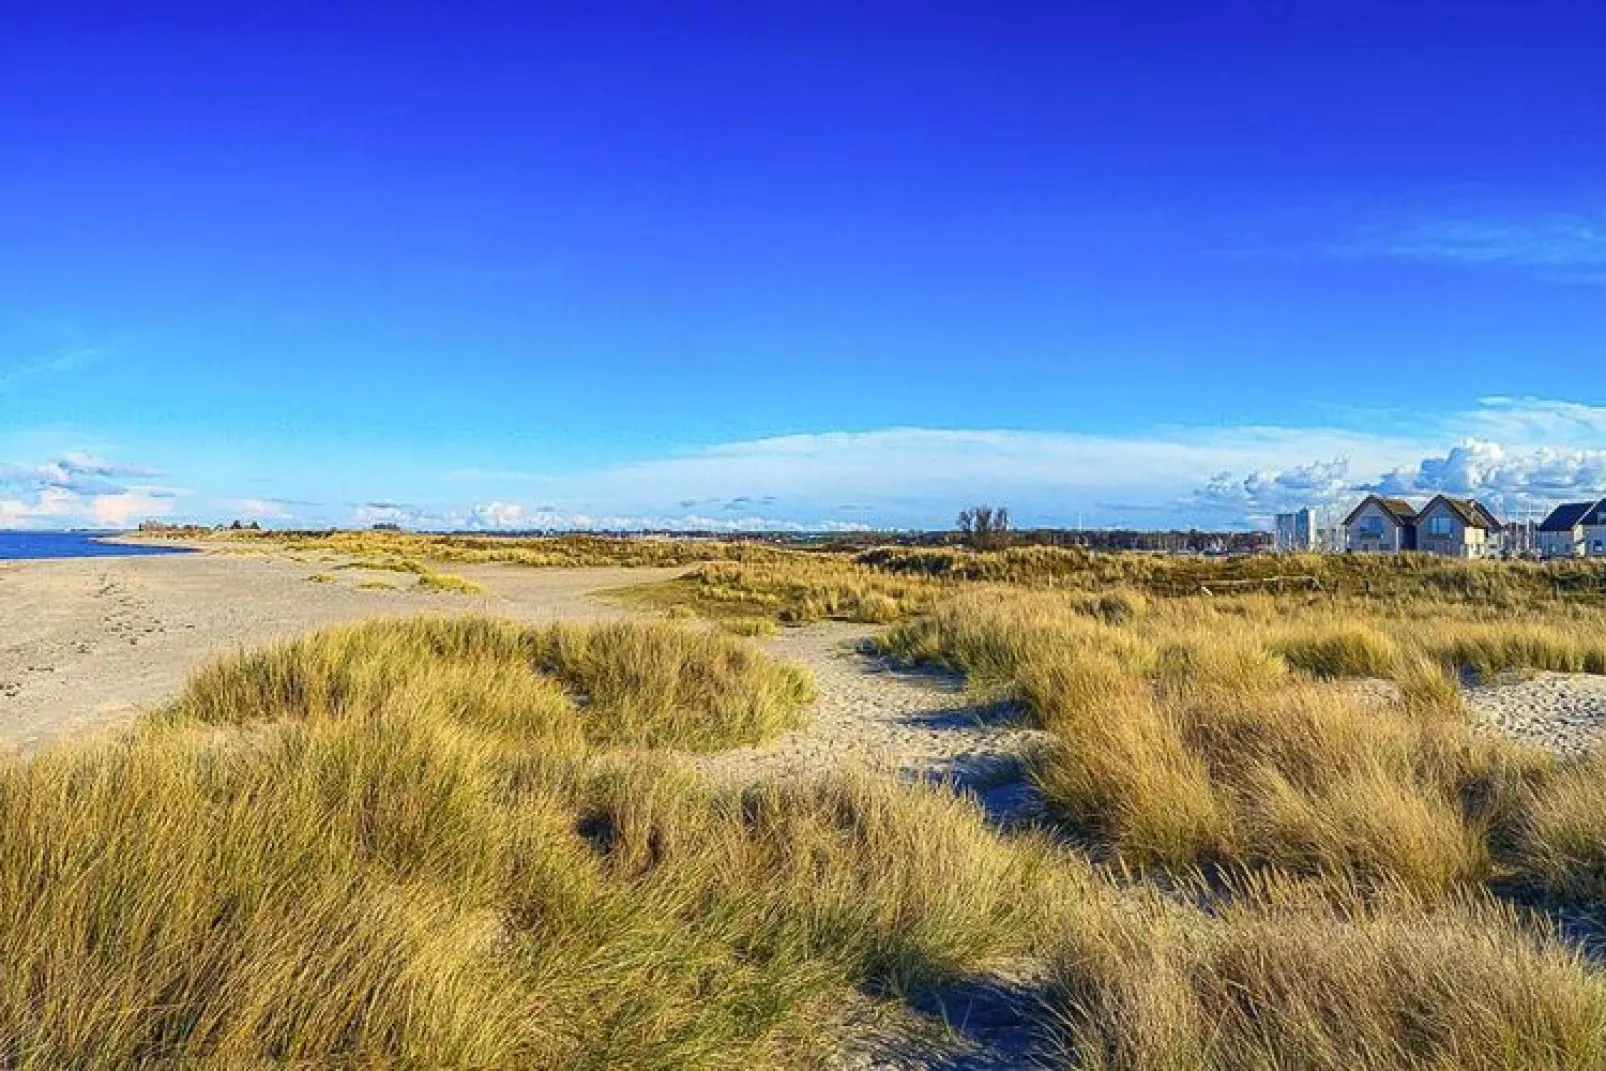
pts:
pixel 91 642
pixel 87 643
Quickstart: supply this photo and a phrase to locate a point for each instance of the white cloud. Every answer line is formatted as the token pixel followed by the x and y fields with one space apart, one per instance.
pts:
pixel 498 515
pixel 33 511
pixel 1535 421
pixel 1265 492
pixel 905 470
pixel 261 509
pixel 1205 476
pixel 127 508
pixel 1525 477
pixel 78 488
pixel 1513 451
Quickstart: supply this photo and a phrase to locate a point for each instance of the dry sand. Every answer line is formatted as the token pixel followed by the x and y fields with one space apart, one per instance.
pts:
pixel 1563 712
pixel 874 715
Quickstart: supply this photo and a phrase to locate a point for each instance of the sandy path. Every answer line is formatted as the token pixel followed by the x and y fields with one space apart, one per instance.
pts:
pixel 1564 712
pixel 90 642
pixel 871 714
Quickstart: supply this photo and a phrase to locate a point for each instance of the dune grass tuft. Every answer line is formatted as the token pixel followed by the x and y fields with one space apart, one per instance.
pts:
pixel 404 890
pixel 1284 976
pixel 1183 738
pixel 639 684
pixel 1561 843
pixel 1350 649
pixel 446 582
pixel 390 845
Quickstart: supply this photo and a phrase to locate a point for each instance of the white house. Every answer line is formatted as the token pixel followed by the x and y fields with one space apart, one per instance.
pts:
pixel 1561 535
pixel 1458 528
pixel 1381 526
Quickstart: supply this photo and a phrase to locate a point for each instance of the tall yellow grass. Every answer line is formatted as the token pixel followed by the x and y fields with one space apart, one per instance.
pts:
pixel 391 846
pixel 1274 838
pixel 642 684
pixel 1230 735
pixel 1280 975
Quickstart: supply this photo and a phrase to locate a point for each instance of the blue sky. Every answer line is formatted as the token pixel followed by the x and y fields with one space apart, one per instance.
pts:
pixel 783 264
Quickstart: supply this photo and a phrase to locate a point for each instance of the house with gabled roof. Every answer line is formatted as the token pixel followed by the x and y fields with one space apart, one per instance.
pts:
pixel 1574 530
pixel 1458 528
pixel 1447 525
pixel 1381 525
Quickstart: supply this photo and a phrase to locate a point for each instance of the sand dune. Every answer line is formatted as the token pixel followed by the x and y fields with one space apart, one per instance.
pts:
pixel 91 642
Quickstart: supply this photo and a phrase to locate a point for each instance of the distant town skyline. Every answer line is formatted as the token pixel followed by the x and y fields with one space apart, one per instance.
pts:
pixel 851 266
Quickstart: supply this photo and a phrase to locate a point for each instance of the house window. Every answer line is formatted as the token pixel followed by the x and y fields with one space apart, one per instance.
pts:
pixel 1441 526
pixel 1371 528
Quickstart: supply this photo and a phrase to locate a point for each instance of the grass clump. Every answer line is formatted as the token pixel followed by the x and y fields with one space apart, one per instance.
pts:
pixel 446 582
pixel 1350 649
pixel 898 888
pixel 660 686
pixel 169 900
pixel 1284 976
pixel 387 564
pixel 1185 738
pixel 1560 848
pixel 748 626
pixel 1489 649
pixel 992 639
pixel 794 589
pixel 636 684
pixel 1299 779
pixel 408 889
pixel 1118 769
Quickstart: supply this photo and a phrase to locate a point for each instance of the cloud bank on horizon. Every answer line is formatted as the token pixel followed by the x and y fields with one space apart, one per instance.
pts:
pixel 1518 454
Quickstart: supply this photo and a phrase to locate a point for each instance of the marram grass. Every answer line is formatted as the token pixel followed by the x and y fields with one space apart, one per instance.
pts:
pixel 397 845
pixel 1274 841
